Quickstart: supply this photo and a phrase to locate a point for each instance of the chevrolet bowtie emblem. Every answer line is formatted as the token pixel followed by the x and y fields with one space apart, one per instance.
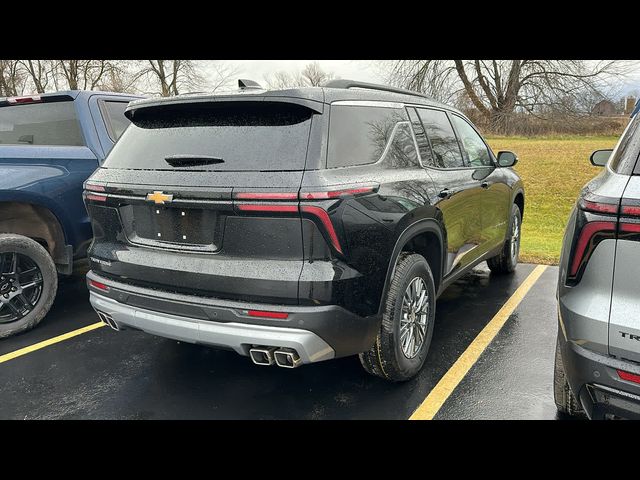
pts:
pixel 159 198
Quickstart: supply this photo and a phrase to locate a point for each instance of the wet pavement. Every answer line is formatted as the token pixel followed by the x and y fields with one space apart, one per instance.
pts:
pixel 104 374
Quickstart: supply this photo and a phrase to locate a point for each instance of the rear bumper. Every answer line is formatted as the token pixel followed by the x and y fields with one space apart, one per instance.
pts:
pixel 317 333
pixel 594 380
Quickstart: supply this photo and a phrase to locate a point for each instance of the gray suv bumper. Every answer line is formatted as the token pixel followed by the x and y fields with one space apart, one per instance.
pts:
pixel 594 380
pixel 237 336
pixel 317 332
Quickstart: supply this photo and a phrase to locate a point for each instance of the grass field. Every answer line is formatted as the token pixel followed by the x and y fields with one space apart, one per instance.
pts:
pixel 553 170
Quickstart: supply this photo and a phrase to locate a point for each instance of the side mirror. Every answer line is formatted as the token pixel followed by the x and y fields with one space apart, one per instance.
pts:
pixel 507 159
pixel 599 158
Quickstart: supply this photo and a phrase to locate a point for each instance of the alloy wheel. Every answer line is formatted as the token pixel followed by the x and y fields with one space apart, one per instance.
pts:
pixel 415 313
pixel 20 286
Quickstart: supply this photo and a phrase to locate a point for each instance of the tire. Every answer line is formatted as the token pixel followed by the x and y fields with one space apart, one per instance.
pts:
pixel 506 261
pixel 31 254
pixel 387 359
pixel 566 401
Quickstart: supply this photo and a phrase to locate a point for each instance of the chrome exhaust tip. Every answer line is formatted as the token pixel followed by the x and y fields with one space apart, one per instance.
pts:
pixel 287 358
pixel 262 355
pixel 108 319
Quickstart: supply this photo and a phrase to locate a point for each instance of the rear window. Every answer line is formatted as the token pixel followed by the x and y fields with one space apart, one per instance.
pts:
pixel 358 135
pixel 53 123
pixel 240 136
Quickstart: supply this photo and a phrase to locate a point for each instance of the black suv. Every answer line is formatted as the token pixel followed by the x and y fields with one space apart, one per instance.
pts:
pixel 296 226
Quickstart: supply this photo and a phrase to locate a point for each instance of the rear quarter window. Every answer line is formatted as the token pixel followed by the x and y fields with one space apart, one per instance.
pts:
pixel 358 135
pixel 114 119
pixel 51 123
pixel 625 154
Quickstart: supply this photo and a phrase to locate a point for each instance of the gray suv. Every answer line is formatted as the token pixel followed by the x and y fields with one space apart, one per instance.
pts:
pixel 597 367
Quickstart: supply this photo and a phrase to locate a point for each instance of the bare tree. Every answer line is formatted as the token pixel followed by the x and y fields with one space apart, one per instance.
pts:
pixel 83 74
pixel 312 75
pixel 12 78
pixel 40 73
pixel 282 80
pixel 221 75
pixel 173 77
pixel 498 88
pixel 119 78
pixel 169 77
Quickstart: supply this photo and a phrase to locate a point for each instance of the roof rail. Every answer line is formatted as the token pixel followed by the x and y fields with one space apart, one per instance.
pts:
pixel 371 86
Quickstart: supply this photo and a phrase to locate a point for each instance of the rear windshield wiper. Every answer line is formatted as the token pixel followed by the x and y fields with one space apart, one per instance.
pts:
pixel 192 160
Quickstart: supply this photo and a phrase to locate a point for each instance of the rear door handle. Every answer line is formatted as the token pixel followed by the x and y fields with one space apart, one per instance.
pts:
pixel 484 185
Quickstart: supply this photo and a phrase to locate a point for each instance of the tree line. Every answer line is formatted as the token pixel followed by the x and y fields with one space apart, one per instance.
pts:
pixel 150 77
pixel 503 95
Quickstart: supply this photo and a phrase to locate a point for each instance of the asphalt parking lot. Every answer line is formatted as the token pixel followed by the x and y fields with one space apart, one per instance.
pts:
pixel 101 374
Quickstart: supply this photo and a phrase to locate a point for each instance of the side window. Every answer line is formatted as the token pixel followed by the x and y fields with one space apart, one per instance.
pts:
pixel 358 135
pixel 446 151
pixel 472 143
pixel 114 119
pixel 402 151
pixel 421 138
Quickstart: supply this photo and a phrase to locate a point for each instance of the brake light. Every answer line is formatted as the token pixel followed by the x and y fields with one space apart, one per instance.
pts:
pixel 99 286
pixel 629 227
pixel 631 210
pixel 94 188
pixel 96 198
pixel 599 207
pixel 585 245
pixel 629 377
pixel 318 212
pixel 323 216
pixel 336 193
pixel 250 207
pixel 19 100
pixel 263 314
pixel 266 196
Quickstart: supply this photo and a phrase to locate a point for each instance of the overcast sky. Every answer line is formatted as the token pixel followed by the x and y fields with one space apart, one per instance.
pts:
pixel 363 70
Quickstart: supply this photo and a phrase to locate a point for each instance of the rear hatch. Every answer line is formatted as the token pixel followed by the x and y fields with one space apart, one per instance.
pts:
pixel 202 198
pixel 624 320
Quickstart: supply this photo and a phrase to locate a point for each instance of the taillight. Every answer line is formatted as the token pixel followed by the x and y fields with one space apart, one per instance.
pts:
pixel 599 207
pixel 629 377
pixel 280 202
pixel 96 198
pixel 99 286
pixel 587 242
pixel 340 193
pixel 94 187
pixel 266 196
pixel 250 207
pixel 323 216
pixel 596 221
pixel 629 218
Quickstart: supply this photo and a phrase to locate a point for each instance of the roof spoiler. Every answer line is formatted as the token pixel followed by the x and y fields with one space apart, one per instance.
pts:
pixel 177 101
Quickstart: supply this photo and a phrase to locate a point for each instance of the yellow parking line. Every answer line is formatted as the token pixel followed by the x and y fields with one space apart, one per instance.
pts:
pixel 45 343
pixel 447 384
